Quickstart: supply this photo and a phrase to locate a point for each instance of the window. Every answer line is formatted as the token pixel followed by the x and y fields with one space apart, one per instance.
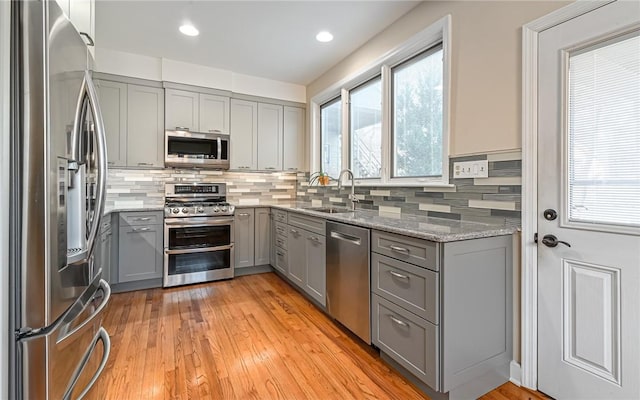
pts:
pixel 331 137
pixel 365 133
pixel 417 116
pixel 394 113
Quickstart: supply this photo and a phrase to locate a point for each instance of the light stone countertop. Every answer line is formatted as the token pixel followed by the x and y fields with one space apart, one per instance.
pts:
pixel 418 226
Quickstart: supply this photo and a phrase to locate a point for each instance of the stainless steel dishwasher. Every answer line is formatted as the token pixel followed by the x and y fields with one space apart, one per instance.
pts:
pixel 348 278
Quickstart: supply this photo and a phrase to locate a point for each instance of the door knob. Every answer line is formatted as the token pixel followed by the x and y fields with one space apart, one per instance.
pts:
pixel 552 241
pixel 550 214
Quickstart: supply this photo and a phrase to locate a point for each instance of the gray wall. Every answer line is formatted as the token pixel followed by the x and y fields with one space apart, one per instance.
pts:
pixel 493 200
pixel 5 27
pixel 132 188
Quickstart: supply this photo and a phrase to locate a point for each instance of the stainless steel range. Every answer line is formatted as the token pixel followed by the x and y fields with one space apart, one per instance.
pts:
pixel 198 233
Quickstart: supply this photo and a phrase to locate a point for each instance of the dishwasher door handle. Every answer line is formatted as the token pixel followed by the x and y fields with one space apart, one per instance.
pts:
pixel 347 238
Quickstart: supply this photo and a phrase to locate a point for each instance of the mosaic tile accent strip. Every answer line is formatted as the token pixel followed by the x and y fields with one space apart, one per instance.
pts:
pixel 137 188
pixel 496 199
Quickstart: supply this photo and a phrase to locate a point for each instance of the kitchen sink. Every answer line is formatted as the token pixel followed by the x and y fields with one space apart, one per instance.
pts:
pixel 329 210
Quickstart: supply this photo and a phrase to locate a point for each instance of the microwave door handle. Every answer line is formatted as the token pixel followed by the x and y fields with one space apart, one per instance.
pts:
pixel 219 149
pixel 101 159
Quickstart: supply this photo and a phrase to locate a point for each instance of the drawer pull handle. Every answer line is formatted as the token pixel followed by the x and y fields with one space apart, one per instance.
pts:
pixel 397 275
pixel 280 254
pixel 146 228
pixel 243 215
pixel 313 238
pixel 398 322
pixel 294 231
pixel 142 219
pixel 399 249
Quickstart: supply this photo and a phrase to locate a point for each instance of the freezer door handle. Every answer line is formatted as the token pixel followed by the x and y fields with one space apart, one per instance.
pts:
pixel 101 336
pixel 103 287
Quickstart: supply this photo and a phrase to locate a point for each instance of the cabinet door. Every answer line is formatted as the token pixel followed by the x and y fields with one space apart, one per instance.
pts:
pixel 81 14
pixel 140 253
pixel 214 113
pixel 244 130
pixel 113 103
pixel 293 139
pixel 182 110
pixel 272 240
pixel 270 136
pixel 244 238
pixel 316 266
pixel 106 256
pixel 145 126
pixel 297 261
pixel 262 236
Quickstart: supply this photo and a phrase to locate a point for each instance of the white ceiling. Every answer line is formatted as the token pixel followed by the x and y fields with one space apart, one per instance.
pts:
pixel 269 39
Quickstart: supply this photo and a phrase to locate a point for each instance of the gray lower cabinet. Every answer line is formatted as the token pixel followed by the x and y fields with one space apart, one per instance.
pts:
pixel 140 251
pixel 305 252
pixel 443 311
pixel 244 237
pixel 103 249
pixel 272 240
pixel 262 236
pixel 297 258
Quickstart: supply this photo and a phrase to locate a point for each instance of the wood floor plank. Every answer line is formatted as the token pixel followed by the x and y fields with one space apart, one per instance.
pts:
pixel 253 337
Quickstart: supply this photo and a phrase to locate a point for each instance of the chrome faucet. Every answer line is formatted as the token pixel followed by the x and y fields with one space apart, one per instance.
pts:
pixel 352 196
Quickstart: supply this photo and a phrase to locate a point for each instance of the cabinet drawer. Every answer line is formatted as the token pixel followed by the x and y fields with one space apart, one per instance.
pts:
pixel 281 229
pixel 411 287
pixel 281 261
pixel 281 242
pixel 409 340
pixel 141 218
pixel 280 216
pixel 315 225
pixel 420 252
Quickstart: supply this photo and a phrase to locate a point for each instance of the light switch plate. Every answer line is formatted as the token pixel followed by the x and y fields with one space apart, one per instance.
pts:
pixel 471 169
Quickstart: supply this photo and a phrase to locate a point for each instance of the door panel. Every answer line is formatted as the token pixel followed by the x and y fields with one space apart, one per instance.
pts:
pixel 145 127
pixel 244 134
pixel 589 256
pixel 214 113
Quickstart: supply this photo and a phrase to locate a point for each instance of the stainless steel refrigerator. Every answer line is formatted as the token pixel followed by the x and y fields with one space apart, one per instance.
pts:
pixel 58 168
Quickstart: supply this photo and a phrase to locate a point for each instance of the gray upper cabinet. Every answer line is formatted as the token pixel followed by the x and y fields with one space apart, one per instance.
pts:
pixel 244 130
pixel 262 239
pixel 270 136
pixel 113 102
pixel 145 126
pixel 244 241
pixel 293 159
pixel 214 113
pixel 182 109
pixel 134 123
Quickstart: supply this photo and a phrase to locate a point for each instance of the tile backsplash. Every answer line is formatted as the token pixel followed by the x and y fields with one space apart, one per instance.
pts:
pixel 134 188
pixel 495 199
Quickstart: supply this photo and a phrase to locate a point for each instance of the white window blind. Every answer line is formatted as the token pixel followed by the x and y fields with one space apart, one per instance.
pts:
pixel 604 134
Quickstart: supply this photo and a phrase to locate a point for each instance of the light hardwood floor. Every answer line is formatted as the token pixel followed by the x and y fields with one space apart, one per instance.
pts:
pixel 252 337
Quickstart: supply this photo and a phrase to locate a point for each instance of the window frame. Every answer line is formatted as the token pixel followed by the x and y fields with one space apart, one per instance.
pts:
pixel 349 134
pixel 438 33
pixel 330 102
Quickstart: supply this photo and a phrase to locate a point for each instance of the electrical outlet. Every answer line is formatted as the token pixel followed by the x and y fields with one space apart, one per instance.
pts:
pixel 471 169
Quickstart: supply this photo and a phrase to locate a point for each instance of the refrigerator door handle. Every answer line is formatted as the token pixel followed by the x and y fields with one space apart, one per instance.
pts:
pixel 101 336
pixel 89 88
pixel 103 287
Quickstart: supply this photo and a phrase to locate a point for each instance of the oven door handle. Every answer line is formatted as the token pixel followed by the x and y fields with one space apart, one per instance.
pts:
pixel 192 222
pixel 199 250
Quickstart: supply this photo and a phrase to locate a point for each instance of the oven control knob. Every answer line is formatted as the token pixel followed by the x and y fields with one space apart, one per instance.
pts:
pixel 185 210
pixel 200 210
pixel 175 210
pixel 216 209
pixel 224 208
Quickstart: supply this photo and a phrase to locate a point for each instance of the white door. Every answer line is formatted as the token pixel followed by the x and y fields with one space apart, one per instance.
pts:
pixel 589 205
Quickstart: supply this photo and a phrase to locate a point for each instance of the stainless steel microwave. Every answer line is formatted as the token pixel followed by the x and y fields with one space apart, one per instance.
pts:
pixel 196 149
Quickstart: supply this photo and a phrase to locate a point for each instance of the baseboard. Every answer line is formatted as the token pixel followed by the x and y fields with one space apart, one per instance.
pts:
pixel 515 373
pixel 257 269
pixel 136 285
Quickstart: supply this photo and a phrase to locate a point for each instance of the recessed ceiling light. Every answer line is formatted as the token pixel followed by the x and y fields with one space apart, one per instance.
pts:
pixel 189 30
pixel 324 37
